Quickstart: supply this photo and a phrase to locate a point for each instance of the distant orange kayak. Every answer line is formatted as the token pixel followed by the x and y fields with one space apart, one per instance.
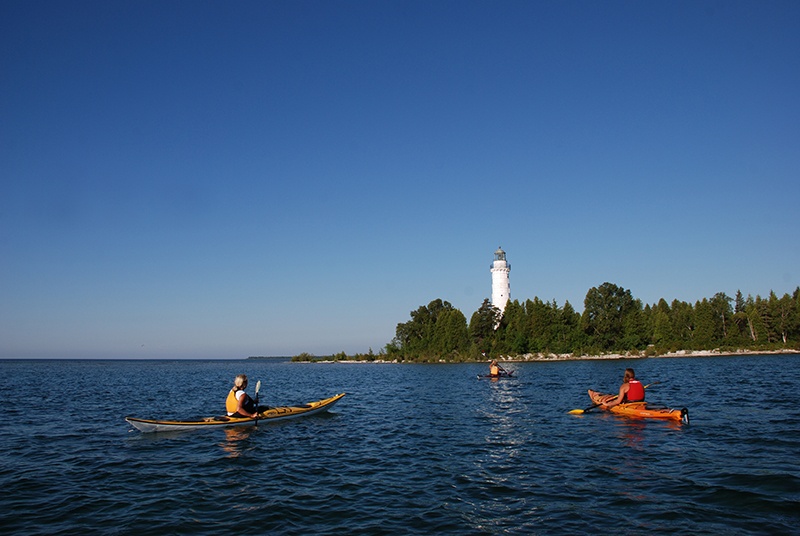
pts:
pixel 642 410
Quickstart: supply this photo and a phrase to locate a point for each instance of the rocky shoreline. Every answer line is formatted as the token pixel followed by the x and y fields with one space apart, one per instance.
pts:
pixel 571 357
pixel 643 355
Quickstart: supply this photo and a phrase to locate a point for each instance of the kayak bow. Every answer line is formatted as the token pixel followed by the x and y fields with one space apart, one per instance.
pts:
pixel 642 410
pixel 272 414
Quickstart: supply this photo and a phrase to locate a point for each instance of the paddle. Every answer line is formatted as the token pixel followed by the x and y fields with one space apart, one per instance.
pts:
pixel 582 411
pixel 258 387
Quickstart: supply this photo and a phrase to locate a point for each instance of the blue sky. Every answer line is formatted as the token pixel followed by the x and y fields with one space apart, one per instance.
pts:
pixel 225 179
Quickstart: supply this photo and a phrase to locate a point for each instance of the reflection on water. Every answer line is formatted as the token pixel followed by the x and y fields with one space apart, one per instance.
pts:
pixel 504 437
pixel 235 440
pixel 631 432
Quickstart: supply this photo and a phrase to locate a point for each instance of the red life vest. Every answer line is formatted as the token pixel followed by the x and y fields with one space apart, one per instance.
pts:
pixel 635 391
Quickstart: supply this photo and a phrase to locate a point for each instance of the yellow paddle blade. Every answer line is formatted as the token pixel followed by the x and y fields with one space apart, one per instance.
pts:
pixel 577 411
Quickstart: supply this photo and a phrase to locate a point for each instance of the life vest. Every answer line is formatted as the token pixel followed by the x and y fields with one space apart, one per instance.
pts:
pixel 635 391
pixel 232 402
pixel 494 370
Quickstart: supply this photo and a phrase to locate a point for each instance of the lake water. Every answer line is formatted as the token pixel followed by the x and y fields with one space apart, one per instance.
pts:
pixel 411 449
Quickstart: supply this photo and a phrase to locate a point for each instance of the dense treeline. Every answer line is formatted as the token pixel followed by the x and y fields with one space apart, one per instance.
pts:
pixel 612 321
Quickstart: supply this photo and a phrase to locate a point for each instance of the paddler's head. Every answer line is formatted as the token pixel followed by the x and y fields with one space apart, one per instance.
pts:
pixel 629 375
pixel 240 382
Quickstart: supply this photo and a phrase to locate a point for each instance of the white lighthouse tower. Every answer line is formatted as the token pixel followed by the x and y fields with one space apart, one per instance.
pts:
pixel 501 288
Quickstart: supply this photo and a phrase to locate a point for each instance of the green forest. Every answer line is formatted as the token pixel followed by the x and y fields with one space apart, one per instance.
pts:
pixel 613 321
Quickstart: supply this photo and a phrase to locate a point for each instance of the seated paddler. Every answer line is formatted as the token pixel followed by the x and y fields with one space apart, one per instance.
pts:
pixel 495 369
pixel 631 390
pixel 239 403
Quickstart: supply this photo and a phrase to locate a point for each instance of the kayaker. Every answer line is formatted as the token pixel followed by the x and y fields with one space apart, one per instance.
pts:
pixel 239 403
pixel 631 390
pixel 495 368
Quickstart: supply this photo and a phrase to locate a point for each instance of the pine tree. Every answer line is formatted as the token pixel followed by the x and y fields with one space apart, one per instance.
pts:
pixel 683 323
pixel 605 309
pixel 482 327
pixel 739 306
pixel 723 316
pixel 662 326
pixel 704 322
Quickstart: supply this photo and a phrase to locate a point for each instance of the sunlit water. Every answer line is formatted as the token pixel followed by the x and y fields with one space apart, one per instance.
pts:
pixel 411 449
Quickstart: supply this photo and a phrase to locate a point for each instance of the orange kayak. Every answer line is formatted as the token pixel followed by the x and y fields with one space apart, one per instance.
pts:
pixel 642 410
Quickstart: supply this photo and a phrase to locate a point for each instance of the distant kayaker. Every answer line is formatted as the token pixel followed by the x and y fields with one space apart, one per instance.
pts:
pixel 495 369
pixel 239 403
pixel 631 390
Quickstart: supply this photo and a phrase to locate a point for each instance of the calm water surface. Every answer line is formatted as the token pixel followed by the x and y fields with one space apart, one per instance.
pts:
pixel 412 449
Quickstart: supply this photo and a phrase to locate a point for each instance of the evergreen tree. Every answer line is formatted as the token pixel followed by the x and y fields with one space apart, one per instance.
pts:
pixel 415 338
pixel 739 306
pixel 741 320
pixel 539 322
pixel 723 316
pixel 569 328
pixel 482 326
pixel 555 337
pixel 782 312
pixel 662 326
pixel 647 315
pixel 682 323
pixel 451 335
pixel 794 332
pixel 704 325
pixel 634 328
pixel 514 335
pixel 605 309
pixel 759 319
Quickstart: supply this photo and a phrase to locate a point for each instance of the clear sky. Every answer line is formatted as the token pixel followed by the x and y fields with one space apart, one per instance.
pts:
pixel 226 179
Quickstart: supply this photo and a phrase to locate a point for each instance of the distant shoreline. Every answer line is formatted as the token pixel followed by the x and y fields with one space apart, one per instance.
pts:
pixel 569 357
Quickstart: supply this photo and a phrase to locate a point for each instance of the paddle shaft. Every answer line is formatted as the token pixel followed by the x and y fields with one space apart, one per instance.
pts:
pixel 258 387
